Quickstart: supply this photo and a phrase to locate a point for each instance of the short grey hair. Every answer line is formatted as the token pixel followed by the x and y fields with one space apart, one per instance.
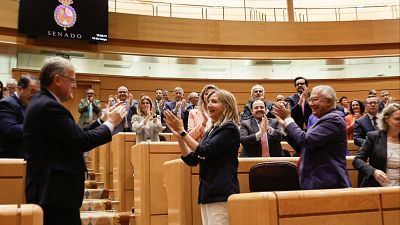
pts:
pixel 178 89
pixel 386 113
pixel 254 88
pixel 327 92
pixel 11 81
pixel 193 94
pixel 51 67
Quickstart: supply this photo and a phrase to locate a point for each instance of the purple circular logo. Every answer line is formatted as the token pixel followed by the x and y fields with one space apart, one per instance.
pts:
pixel 65 16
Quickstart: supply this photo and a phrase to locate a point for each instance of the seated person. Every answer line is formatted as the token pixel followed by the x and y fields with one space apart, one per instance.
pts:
pixel 145 123
pixel 259 135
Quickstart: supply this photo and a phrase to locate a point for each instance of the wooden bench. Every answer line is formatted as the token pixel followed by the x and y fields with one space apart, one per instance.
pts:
pixel 355 206
pixel 150 196
pixel 24 214
pixel 12 181
pixel 182 181
pixel 121 174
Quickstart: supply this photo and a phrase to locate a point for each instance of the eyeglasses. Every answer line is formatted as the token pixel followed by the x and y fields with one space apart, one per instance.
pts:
pixel 258 91
pixel 90 93
pixel 315 99
pixel 297 84
pixel 122 92
pixel 73 80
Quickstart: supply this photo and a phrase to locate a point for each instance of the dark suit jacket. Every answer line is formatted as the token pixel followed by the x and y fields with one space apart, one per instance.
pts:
pixel 127 121
pixel 362 126
pixel 217 155
pixel 375 150
pixel 12 113
pixel 297 111
pixel 323 153
pixel 252 146
pixel 184 115
pixel 54 146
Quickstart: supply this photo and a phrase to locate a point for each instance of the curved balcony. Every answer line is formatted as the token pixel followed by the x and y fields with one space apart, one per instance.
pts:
pixel 254 12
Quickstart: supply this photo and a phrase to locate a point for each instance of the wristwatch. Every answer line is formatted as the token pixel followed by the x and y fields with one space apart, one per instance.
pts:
pixel 183 133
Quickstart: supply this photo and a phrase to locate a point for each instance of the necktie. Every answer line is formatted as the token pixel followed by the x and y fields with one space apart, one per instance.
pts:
pixel 264 146
pixel 90 110
pixel 374 123
pixel 302 110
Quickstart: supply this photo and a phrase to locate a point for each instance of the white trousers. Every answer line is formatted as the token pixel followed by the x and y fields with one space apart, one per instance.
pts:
pixel 214 213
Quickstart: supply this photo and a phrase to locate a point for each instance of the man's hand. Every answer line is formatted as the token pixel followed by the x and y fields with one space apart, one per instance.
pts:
pixel 281 113
pixel 303 96
pixel 116 113
pixel 183 105
pixel 264 124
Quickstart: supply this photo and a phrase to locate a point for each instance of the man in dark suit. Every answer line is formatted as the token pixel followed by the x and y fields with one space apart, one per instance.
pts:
pixel 179 107
pixel 300 109
pixel 126 124
pixel 256 92
pixel 252 130
pixel 55 144
pixel 368 122
pixel 323 146
pixel 12 114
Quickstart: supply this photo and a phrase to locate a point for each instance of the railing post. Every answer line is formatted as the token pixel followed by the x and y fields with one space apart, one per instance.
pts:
pixel 152 6
pixel 356 13
pixel 202 14
pixel 336 15
pixel 223 12
pixel 339 13
pixel 244 6
pixel 275 14
pixel 115 6
pixel 307 14
pixel 206 14
pixel 170 9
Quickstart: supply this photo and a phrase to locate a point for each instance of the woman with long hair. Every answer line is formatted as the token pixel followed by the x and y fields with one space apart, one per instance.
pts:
pixel 198 117
pixel 382 150
pixel 216 153
pixel 145 123
pixel 356 111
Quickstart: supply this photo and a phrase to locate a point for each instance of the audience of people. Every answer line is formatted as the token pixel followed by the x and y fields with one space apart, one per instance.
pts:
pixel 207 129
pixel 381 150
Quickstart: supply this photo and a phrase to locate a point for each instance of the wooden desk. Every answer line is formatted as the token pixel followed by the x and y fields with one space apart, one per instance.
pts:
pixel 12 181
pixel 150 195
pixel 176 180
